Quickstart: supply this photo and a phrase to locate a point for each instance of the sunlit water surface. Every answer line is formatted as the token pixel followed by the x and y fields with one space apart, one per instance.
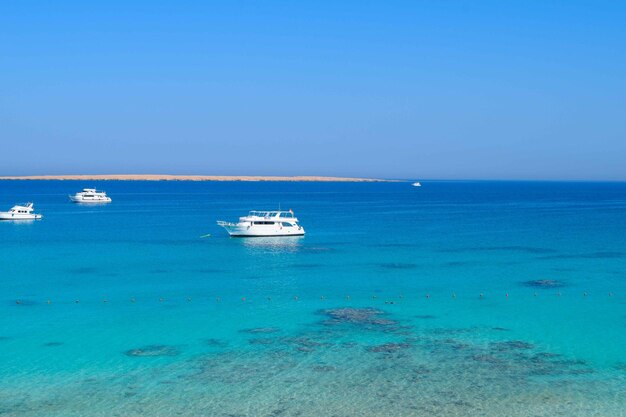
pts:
pixel 453 299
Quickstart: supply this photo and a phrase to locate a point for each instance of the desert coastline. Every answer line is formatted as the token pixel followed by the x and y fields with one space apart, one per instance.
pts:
pixel 166 177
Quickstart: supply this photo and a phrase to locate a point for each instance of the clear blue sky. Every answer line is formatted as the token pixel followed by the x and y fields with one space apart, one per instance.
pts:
pixel 397 89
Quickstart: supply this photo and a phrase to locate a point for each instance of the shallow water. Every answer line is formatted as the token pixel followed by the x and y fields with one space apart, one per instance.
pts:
pixel 457 299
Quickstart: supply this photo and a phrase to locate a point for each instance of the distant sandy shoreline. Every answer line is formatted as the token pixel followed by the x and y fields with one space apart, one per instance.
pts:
pixel 152 177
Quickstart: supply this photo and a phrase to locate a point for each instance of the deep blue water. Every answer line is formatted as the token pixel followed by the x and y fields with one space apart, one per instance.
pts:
pixel 456 298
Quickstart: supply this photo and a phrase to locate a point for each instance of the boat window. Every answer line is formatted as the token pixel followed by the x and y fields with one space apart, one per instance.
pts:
pixel 260 213
pixel 288 215
pixel 263 223
pixel 287 224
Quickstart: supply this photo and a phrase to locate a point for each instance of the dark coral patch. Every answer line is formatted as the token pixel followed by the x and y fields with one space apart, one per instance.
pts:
pixel 620 366
pixel 215 343
pixel 324 368
pixel 454 344
pixel 260 330
pixel 486 358
pixel 356 316
pixel 153 351
pixel 304 341
pixel 545 355
pixel 53 344
pixel 544 283
pixel 261 341
pixel 511 345
pixel 388 347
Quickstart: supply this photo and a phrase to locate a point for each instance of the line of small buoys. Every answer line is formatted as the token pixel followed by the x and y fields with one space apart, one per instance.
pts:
pixel 322 297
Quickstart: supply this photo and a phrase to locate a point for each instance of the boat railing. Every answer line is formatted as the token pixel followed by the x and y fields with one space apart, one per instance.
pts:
pixel 223 223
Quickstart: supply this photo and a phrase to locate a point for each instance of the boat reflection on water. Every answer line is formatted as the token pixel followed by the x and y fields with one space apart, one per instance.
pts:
pixel 274 244
pixel 24 222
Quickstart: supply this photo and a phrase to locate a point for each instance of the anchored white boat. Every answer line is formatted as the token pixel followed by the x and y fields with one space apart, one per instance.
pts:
pixel 264 223
pixel 416 184
pixel 90 195
pixel 20 212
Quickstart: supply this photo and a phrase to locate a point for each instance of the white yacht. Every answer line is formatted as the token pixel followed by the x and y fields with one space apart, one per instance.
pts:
pixel 90 195
pixel 20 212
pixel 265 223
pixel 416 184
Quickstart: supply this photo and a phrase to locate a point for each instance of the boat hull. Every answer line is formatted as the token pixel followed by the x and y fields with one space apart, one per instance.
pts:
pixel 235 230
pixel 89 201
pixel 19 216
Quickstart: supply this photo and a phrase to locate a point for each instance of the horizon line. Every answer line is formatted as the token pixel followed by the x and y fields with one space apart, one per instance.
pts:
pixel 182 177
pixel 273 178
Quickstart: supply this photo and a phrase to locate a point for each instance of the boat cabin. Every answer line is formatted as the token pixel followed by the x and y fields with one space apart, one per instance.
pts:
pixel 23 209
pixel 266 218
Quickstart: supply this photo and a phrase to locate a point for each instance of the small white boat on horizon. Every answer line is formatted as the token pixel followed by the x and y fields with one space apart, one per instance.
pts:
pixel 264 223
pixel 416 184
pixel 20 212
pixel 90 195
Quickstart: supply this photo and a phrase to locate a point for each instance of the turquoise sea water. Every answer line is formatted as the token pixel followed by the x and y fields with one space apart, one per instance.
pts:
pixel 453 299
